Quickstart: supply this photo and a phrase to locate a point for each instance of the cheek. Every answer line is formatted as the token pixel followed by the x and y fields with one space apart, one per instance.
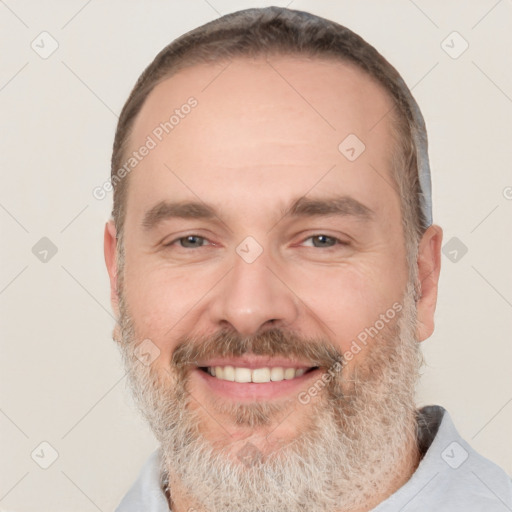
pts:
pixel 349 301
pixel 163 300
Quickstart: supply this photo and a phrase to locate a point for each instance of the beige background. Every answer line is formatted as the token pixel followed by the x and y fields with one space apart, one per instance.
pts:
pixel 61 379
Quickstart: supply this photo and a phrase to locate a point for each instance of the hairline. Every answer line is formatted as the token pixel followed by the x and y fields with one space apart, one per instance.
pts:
pixel 395 125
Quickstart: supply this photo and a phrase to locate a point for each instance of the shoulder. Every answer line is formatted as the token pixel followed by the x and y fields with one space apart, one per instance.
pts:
pixel 452 476
pixel 146 493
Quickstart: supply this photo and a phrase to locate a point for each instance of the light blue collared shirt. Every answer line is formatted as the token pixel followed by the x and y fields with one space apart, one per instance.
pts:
pixel 451 477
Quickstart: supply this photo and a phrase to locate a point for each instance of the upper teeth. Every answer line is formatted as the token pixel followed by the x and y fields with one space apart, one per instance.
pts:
pixel 237 374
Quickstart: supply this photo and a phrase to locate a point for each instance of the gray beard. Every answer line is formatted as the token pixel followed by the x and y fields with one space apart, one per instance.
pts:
pixel 351 447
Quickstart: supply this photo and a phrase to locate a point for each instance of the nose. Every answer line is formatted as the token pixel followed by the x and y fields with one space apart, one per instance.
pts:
pixel 253 296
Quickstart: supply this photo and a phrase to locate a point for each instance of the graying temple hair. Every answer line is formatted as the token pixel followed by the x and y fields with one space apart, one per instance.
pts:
pixel 281 31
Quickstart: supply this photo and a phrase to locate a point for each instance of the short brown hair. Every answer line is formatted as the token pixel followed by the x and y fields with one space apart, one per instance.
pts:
pixel 255 32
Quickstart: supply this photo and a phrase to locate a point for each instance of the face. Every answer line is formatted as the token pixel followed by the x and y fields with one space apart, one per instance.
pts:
pixel 265 262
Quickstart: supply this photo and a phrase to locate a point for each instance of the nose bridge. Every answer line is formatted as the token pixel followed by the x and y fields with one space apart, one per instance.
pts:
pixel 251 295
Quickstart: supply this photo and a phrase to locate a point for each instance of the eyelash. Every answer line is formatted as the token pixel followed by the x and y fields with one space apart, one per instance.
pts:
pixel 336 240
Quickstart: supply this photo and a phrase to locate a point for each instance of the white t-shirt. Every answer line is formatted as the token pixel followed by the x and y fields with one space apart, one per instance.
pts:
pixel 451 477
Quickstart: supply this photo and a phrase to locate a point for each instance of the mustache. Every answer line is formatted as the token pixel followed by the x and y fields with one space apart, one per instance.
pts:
pixel 273 342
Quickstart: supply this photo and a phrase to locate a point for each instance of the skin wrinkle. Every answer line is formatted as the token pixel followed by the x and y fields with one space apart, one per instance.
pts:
pixel 358 431
pixel 354 443
pixel 301 207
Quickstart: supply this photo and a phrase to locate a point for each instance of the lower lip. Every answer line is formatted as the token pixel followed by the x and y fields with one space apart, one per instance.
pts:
pixel 250 391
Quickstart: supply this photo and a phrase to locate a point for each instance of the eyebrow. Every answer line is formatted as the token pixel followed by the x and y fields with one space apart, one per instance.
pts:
pixel 183 210
pixel 338 205
pixel 300 207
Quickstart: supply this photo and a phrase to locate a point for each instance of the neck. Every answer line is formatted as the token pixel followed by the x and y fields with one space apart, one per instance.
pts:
pixel 410 463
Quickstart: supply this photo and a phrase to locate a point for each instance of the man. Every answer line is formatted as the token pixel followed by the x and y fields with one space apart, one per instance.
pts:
pixel 274 266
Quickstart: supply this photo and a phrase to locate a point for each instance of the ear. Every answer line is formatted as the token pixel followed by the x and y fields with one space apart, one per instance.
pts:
pixel 110 249
pixel 429 267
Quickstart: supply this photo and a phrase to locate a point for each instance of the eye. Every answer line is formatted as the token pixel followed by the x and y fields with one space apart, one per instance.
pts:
pixel 188 242
pixel 322 240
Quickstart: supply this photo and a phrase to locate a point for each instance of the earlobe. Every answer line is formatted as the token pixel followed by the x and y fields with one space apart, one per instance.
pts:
pixel 110 249
pixel 429 267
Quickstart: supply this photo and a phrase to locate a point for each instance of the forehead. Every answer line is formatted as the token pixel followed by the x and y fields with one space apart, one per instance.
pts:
pixel 281 122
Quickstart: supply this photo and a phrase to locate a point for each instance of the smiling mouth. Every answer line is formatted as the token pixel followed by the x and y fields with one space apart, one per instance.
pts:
pixel 252 377
pixel 261 375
